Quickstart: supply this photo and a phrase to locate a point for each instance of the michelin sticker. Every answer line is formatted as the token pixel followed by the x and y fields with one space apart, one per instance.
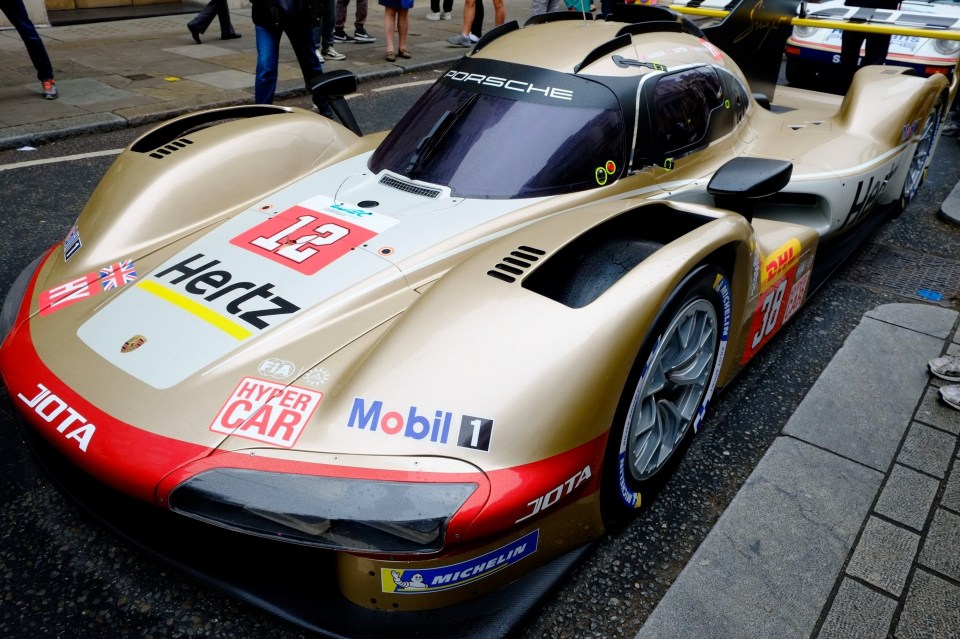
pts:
pixel 419 580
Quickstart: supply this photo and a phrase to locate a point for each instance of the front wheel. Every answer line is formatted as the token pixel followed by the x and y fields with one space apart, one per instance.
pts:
pixel 667 392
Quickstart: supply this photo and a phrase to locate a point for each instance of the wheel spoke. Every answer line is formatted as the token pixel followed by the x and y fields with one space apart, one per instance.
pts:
pixel 672 389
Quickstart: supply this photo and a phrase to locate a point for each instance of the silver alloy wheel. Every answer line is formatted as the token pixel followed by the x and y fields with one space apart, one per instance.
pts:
pixel 918 164
pixel 671 389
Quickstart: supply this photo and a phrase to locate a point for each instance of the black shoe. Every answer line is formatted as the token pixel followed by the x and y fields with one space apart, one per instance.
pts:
pixel 230 36
pixel 195 32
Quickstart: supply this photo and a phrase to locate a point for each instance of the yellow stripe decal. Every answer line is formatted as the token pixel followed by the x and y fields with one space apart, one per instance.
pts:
pixel 214 319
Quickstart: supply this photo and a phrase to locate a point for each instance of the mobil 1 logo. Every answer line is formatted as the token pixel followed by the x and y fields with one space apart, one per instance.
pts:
pixel 475 433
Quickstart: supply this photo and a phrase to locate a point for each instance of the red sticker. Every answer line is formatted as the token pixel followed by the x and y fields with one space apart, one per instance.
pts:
pixel 303 240
pixel 266 412
pixel 770 315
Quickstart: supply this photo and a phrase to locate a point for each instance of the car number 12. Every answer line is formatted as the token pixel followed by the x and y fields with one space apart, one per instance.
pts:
pixel 299 250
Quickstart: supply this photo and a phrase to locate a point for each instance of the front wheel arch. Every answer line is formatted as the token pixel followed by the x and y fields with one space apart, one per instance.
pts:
pixel 663 382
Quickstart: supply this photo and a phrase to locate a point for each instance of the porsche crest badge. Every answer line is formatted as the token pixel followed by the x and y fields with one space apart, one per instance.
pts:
pixel 133 343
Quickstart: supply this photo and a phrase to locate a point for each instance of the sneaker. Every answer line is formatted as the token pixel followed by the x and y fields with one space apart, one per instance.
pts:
pixel 950 395
pixel 49 89
pixel 433 17
pixel 460 40
pixel 320 56
pixel 360 35
pixel 341 36
pixel 946 367
pixel 445 15
pixel 331 54
pixel 950 129
pixel 473 38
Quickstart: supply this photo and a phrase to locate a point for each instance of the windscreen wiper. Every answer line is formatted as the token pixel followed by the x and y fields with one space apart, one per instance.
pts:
pixel 429 143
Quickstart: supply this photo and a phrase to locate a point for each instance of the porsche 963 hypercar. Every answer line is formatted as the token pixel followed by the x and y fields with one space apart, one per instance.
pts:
pixel 437 359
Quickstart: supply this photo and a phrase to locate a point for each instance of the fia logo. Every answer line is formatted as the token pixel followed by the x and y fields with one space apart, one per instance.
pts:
pixel 277 368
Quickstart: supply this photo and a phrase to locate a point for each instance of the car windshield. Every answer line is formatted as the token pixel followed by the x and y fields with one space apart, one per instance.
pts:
pixel 516 134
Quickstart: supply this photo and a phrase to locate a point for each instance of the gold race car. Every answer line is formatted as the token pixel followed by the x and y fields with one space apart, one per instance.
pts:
pixel 438 361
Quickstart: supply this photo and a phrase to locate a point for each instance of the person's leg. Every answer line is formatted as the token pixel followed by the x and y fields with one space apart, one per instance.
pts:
pixel 223 14
pixel 268 57
pixel 476 26
pixel 403 25
pixel 361 14
pixel 326 25
pixel 469 10
pixel 434 10
pixel 17 15
pixel 447 6
pixel 389 26
pixel 876 47
pixel 500 14
pixel 201 22
pixel 306 51
pixel 341 14
pixel 850 42
pixel 537 7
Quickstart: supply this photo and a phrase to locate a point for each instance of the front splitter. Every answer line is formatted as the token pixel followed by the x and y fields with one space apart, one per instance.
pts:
pixel 263 575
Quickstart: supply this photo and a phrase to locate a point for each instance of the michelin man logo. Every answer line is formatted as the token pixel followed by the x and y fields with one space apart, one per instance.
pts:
pixel 416 581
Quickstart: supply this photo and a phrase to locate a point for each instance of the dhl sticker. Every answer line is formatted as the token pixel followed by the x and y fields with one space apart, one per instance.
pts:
pixel 778 262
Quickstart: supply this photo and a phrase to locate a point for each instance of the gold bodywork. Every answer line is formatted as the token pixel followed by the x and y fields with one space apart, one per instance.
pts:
pixel 446 335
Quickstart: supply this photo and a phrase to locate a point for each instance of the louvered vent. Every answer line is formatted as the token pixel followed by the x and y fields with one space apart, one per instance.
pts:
pixel 400 185
pixel 168 149
pixel 514 265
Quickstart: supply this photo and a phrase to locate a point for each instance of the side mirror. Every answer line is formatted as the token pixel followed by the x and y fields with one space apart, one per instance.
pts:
pixel 744 179
pixel 328 91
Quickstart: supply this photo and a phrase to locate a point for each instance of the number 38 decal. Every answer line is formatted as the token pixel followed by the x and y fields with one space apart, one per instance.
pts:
pixel 777 303
pixel 302 239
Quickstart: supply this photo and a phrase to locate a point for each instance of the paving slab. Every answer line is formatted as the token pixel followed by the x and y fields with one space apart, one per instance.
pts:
pixel 907 497
pixel 930 320
pixel 936 412
pixel 928 450
pixel 882 368
pixel 884 555
pixel 858 612
pixel 941 549
pixel 770 562
pixel 932 610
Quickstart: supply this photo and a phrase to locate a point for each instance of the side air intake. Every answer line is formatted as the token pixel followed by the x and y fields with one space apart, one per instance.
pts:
pixel 406 187
pixel 173 147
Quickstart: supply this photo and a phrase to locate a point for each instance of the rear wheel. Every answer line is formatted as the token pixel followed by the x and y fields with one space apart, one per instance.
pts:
pixel 667 392
pixel 921 156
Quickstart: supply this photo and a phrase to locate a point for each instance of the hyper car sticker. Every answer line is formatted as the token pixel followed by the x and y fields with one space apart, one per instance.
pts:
pixel 266 412
pixel 431 579
pixel 778 261
pixel 776 304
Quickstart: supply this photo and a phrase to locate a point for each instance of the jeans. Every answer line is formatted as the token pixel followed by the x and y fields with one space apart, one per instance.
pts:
pixel 323 35
pixel 268 57
pixel 217 8
pixel 17 15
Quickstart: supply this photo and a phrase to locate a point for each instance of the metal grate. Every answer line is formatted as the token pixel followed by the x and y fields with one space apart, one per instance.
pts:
pixel 906 273
pixel 400 185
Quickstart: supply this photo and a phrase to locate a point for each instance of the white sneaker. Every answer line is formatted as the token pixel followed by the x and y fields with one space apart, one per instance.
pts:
pixel 320 55
pixel 951 395
pixel 433 17
pixel 946 367
pixel 331 54
pixel 445 15
pixel 473 38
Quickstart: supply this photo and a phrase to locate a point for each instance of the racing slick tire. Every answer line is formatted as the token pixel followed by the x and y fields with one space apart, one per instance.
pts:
pixel 667 392
pixel 920 161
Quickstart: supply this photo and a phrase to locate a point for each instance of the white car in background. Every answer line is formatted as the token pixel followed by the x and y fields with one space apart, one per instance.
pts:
pixel 813 55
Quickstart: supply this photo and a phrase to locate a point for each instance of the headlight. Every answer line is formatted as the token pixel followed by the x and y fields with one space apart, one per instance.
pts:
pixel 804 32
pixel 946 47
pixel 340 514
pixel 11 303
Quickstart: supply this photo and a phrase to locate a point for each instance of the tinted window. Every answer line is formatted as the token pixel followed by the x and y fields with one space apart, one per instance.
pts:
pixel 683 103
pixel 483 143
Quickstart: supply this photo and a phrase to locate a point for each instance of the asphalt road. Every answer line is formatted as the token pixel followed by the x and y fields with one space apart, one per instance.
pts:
pixel 63 576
